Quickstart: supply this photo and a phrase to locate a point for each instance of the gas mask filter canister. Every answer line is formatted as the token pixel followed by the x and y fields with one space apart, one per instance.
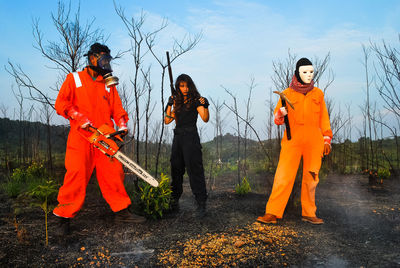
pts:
pixel 104 68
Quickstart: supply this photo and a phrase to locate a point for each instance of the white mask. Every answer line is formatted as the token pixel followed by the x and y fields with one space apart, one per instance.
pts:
pixel 306 73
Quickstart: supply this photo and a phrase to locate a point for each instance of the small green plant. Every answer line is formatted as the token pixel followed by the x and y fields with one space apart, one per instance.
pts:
pixel 31 184
pixel 44 195
pixel 153 201
pixel 243 187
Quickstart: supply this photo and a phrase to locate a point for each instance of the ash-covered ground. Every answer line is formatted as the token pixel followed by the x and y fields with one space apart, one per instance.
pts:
pixel 362 229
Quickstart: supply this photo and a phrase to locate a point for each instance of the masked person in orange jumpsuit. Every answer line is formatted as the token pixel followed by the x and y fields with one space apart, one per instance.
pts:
pixel 311 136
pixel 88 98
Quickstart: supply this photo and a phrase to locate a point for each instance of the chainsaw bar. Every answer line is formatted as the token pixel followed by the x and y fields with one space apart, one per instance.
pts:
pixel 135 168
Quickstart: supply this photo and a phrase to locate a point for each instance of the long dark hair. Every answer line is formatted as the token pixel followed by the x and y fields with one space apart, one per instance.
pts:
pixel 192 96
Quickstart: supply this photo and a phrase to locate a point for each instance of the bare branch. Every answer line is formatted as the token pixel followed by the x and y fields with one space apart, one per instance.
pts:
pixel 252 128
pixel 23 80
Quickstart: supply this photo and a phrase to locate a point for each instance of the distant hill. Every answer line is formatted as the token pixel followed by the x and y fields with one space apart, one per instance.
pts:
pixel 15 133
pixel 23 141
pixel 229 147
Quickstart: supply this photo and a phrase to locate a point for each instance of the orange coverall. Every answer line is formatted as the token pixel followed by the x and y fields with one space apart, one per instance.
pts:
pixel 99 104
pixel 309 122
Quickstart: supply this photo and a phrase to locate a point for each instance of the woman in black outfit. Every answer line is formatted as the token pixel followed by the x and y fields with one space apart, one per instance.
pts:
pixel 186 147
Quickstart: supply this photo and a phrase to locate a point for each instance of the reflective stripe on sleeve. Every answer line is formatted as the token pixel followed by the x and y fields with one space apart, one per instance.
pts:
pixel 77 79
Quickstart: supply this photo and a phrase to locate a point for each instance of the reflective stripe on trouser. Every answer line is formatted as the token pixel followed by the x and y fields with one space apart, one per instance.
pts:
pixel 186 152
pixel 310 147
pixel 80 160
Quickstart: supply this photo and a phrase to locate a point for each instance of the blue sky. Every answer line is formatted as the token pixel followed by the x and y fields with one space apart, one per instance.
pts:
pixel 240 41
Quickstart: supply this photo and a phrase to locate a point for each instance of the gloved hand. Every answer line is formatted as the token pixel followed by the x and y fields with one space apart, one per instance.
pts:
pixel 202 101
pixel 170 101
pixel 282 111
pixel 327 145
pixel 122 126
pixel 279 116
pixel 82 120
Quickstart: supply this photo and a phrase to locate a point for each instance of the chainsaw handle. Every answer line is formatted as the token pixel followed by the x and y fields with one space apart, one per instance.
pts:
pixel 113 135
pixel 116 133
pixel 91 128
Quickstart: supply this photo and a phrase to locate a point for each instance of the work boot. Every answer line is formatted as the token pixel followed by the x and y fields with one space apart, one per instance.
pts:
pixel 63 226
pixel 201 210
pixel 312 220
pixel 126 216
pixel 267 218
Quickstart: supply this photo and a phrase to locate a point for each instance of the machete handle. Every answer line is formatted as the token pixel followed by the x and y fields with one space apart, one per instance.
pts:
pixel 286 119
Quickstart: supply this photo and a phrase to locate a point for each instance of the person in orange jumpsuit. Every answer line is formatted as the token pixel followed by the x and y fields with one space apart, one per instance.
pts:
pixel 88 98
pixel 311 136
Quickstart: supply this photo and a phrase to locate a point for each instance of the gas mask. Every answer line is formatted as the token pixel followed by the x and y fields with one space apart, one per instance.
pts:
pixel 104 69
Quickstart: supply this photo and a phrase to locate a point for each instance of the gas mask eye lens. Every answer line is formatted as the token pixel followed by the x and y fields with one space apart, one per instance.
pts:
pixel 104 62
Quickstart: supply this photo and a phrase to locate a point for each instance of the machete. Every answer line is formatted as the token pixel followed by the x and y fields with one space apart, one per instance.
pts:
pixel 285 100
pixel 171 79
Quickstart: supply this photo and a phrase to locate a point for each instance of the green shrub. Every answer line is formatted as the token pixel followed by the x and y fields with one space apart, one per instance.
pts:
pixel 243 188
pixel 152 201
pixel 16 184
pixel 383 173
pixel 25 179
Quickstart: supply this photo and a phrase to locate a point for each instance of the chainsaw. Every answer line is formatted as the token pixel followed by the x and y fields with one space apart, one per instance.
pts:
pixel 106 139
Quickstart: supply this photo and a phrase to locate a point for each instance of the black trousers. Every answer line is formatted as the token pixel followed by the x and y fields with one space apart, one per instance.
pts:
pixel 186 153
